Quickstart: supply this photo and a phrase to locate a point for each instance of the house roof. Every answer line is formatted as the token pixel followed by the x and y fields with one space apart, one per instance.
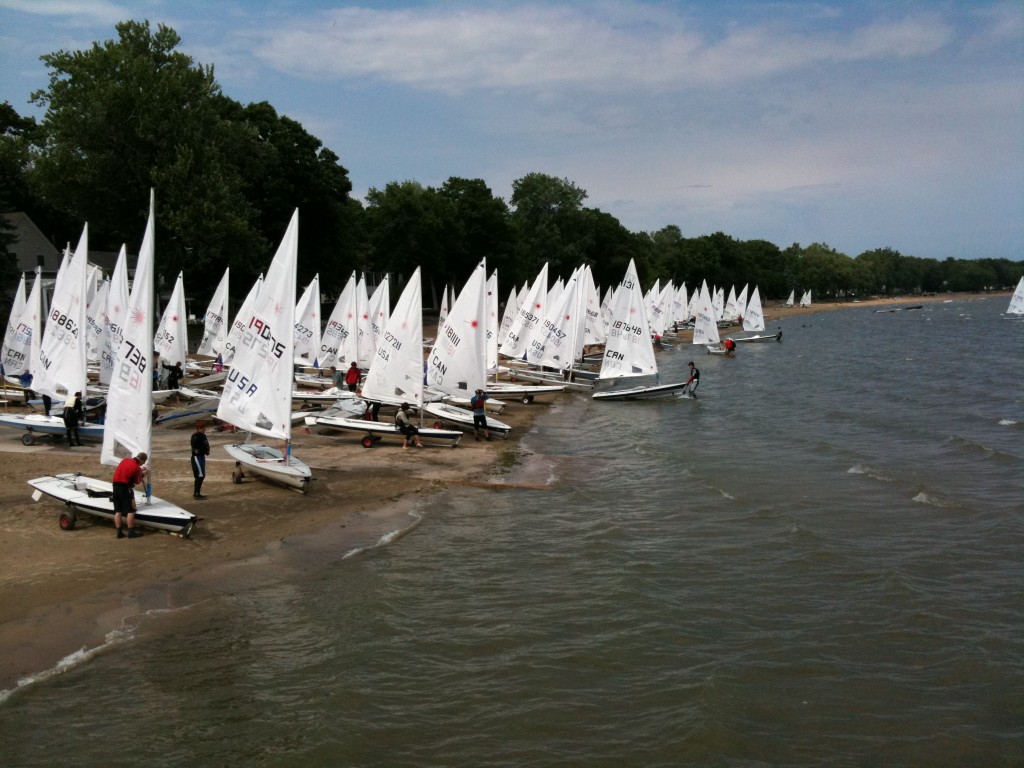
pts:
pixel 30 246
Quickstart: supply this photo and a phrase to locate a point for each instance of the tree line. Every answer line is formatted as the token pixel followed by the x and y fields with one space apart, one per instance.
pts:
pixel 134 113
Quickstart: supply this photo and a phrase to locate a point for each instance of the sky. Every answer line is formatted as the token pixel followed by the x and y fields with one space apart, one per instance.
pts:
pixel 860 125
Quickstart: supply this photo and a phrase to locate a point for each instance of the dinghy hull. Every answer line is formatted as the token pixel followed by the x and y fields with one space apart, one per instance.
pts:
pixel 93 497
pixel 269 463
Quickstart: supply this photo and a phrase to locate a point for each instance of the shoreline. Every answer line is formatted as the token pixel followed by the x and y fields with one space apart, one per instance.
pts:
pixel 62 592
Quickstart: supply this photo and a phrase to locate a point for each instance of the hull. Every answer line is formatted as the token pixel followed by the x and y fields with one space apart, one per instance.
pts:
pixel 540 393
pixel 38 424
pixel 655 392
pixel 579 384
pixel 180 417
pixel 375 429
pixel 92 496
pixel 270 463
pixel 762 337
pixel 463 419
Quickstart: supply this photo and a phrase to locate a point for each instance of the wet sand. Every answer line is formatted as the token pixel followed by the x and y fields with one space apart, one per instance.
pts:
pixel 63 591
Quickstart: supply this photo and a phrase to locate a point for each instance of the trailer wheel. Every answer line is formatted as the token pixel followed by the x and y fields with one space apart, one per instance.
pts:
pixel 67 520
pixel 527 399
pixel 367 441
pixel 28 439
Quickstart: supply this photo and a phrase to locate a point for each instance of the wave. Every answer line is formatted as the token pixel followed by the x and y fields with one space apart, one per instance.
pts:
pixel 973 448
pixel 864 469
pixel 114 638
pixel 926 498
pixel 1007 423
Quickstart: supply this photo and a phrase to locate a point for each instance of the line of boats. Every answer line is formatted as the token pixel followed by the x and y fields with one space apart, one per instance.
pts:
pixel 550 339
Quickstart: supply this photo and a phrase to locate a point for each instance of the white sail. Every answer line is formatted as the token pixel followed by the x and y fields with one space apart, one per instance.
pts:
pixel 629 350
pixel 128 429
pixel 215 323
pixel 492 321
pixel 753 318
pixel 789 301
pixel 17 308
pixel 705 324
pixel 60 368
pixel 1017 300
pixel 380 309
pixel 594 331
pixel 257 395
pixel 18 337
pixel 171 338
pixel 805 300
pixel 552 343
pixel 364 332
pixel 511 310
pixel 338 340
pixel 115 315
pixel 95 324
pixel 238 328
pixel 457 364
pixel 307 325
pixel 396 372
pixel 531 310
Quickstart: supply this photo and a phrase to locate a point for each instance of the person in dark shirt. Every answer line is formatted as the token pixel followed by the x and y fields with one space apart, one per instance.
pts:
pixel 72 414
pixel 175 373
pixel 694 381
pixel 200 450
pixel 477 403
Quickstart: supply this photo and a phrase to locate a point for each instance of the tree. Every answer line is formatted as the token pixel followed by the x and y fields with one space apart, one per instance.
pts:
pixel 547 220
pixel 409 225
pixel 482 228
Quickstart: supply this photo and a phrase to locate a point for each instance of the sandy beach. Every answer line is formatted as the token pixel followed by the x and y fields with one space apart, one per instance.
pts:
pixel 63 591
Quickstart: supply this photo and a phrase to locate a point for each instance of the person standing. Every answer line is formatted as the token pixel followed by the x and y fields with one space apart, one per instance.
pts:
pixel 694 381
pixel 175 373
pixel 72 415
pixel 352 376
pixel 200 450
pixel 407 428
pixel 477 403
pixel 128 474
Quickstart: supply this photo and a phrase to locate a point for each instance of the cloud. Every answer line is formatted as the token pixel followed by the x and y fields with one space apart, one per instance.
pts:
pixel 74 11
pixel 536 48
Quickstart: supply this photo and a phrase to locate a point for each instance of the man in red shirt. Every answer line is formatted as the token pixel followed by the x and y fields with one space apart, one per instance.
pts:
pixel 352 376
pixel 128 474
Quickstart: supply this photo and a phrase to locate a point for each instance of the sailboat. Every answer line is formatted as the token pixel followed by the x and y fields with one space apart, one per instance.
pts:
pixel 753 321
pixel 128 429
pixel 257 395
pixel 57 359
pixel 171 338
pixel 457 363
pixel 805 300
pixel 629 351
pixel 792 297
pixel 1017 300
pixel 395 375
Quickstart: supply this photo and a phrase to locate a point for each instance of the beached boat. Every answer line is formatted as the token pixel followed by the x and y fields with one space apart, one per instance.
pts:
pixel 629 351
pixel 94 497
pixel 463 419
pixel 373 431
pixel 257 396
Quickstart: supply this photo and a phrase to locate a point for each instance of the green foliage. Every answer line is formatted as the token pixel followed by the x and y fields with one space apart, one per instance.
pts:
pixel 133 114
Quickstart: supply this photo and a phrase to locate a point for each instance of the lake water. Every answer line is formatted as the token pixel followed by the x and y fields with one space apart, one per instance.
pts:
pixel 819 562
